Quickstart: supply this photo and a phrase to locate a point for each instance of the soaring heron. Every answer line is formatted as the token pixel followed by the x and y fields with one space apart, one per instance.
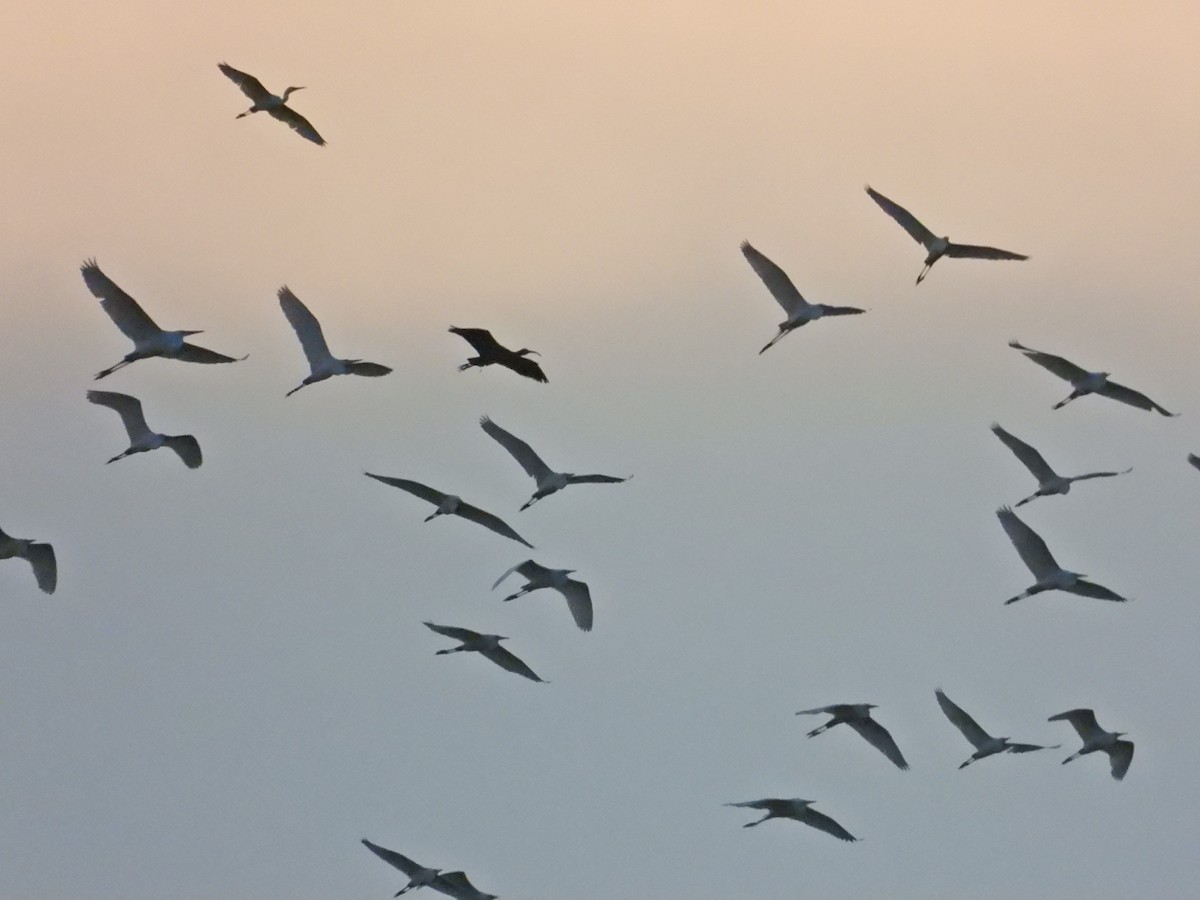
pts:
pixel 548 481
pixel 984 743
pixel 800 810
pixel 39 555
pixel 491 352
pixel 936 247
pixel 579 598
pixel 273 105
pixel 141 438
pixel 487 645
pixel 1050 576
pixel 449 504
pixel 321 363
pixel 799 311
pixel 1120 753
pixel 148 339
pixel 452 884
pixel 1049 481
pixel 1085 382
pixel 858 717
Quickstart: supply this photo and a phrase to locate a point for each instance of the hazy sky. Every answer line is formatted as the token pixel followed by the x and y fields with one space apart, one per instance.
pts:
pixel 232 684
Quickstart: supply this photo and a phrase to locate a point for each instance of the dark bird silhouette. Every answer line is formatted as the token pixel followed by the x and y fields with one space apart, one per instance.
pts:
pixel 858 717
pixel 490 352
pixel 39 556
pixel 487 645
pixel 800 810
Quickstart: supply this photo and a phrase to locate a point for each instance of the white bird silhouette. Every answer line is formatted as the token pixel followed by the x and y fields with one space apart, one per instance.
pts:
pixel 984 744
pixel 799 311
pixel 141 438
pixel 40 557
pixel 148 339
pixel 1120 753
pixel 800 810
pixel 858 717
pixel 579 598
pixel 452 884
pixel 548 481
pixel 935 246
pixel 321 363
pixel 487 645
pixel 1050 576
pixel 1049 481
pixel 450 504
pixel 492 352
pixel 1085 382
pixel 272 104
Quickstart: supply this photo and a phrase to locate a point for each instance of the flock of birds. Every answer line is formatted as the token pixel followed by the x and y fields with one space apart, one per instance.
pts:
pixel 149 340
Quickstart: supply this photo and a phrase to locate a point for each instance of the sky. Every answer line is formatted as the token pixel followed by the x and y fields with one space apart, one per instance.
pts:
pixel 232 685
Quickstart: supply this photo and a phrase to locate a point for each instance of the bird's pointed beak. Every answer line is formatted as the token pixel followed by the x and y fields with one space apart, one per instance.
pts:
pixel 190 333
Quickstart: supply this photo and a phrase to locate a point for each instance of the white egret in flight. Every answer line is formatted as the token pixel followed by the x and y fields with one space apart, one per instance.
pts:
pixel 491 352
pixel 450 504
pixel 1120 753
pixel 1085 382
pixel 799 311
pixel 548 481
pixel 487 645
pixel 141 438
pixel 452 884
pixel 40 557
pixel 273 105
pixel 800 810
pixel 1050 576
pixel 984 744
pixel 858 717
pixel 321 363
pixel 935 246
pixel 579 598
pixel 1049 481
pixel 148 339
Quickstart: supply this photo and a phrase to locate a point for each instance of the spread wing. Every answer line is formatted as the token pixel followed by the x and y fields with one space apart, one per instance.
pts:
pixel 775 279
pixel 523 365
pixel 487 520
pixel 193 354
pixel 528 568
pixel 1031 459
pixel 1194 460
pixel 517 448
pixel 969 727
pixel 306 326
pixel 579 600
pixel 1096 591
pixel 399 860
pixel 459 634
pixel 121 308
pixel 907 220
pixel 877 736
pixel 770 805
pixel 972 251
pixel 1064 369
pixel 479 338
pixel 296 122
pixel 1131 397
pixel 456 885
pixel 1120 755
pixel 413 487
pixel 505 659
pixel 822 822
pixel 249 85
pixel 45 567
pixel 1033 550
pixel 186 448
pixel 127 407
pixel 1082 720
pixel 596 479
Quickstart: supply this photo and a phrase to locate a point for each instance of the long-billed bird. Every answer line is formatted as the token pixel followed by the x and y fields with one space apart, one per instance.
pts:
pixel 548 481
pixel 858 717
pixel 491 352
pixel 1049 481
pixel 800 810
pixel 1085 382
pixel 1049 574
pixel 579 598
pixel 40 557
pixel 148 339
pixel 321 363
pixel 486 645
pixel 452 505
pixel 1120 753
pixel 799 311
pixel 984 744
pixel 141 438
pixel 273 105
pixel 936 247
pixel 452 884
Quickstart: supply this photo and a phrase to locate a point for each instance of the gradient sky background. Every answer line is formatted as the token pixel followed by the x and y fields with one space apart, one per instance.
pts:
pixel 232 684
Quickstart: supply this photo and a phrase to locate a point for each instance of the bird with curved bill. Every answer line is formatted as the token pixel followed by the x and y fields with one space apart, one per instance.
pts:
pixel 491 352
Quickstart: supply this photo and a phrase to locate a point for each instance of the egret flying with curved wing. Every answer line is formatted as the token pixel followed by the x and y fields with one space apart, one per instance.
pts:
pixel 40 557
pixel 858 717
pixel 1049 574
pixel 418 875
pixel 1085 382
pixel 935 246
pixel 487 645
pixel 148 339
pixel 273 105
pixel 491 352
pixel 797 809
pixel 799 311
pixel 451 504
pixel 1049 481
pixel 548 481
pixel 141 438
pixel 1120 753
pixel 579 598
pixel 984 744
pixel 321 363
